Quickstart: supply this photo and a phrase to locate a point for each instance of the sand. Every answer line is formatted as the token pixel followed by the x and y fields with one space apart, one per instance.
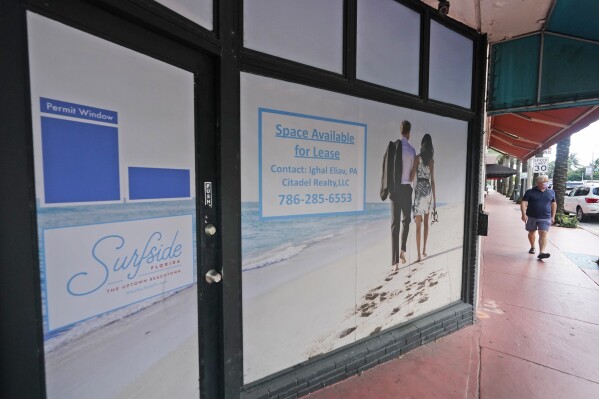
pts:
pixel 330 295
pixel 349 294
pixel 143 355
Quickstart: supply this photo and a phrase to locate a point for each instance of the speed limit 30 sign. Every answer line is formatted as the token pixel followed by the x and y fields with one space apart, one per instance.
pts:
pixel 540 165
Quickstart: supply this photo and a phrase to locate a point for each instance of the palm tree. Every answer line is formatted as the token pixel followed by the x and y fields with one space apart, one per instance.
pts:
pixel 510 187
pixel 563 162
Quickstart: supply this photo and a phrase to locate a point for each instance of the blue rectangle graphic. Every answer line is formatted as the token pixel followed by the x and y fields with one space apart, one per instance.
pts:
pixel 50 106
pixel 154 183
pixel 80 160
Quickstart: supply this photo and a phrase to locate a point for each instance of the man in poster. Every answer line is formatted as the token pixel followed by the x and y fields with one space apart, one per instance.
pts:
pixel 396 183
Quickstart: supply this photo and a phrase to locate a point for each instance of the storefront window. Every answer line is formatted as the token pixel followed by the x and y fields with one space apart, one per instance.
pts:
pixel 198 11
pixel 113 145
pixel 317 248
pixel 308 31
pixel 388 46
pixel 450 74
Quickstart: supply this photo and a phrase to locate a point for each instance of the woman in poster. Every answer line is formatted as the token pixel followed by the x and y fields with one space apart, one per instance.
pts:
pixel 424 194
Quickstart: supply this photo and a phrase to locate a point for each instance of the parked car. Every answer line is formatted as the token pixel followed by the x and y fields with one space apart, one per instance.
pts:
pixel 583 201
pixel 573 184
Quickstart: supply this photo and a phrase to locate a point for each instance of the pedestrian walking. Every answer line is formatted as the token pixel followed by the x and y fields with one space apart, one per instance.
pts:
pixel 538 209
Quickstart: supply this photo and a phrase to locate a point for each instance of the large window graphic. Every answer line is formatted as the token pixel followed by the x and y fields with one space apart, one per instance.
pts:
pixel 115 184
pixel 319 272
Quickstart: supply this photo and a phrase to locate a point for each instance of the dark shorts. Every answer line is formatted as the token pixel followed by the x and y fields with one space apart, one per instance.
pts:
pixel 534 224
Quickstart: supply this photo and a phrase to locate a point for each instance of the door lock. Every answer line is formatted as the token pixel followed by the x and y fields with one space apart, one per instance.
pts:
pixel 210 230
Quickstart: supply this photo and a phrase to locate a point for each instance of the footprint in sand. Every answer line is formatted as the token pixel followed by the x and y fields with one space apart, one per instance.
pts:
pixel 366 307
pixel 433 283
pixel 345 333
pixel 371 296
pixel 395 310
pixel 423 299
pixel 365 314
pixel 389 278
pixel 410 314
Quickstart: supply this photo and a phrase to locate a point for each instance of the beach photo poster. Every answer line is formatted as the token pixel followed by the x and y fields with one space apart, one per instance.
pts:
pixel 319 276
pixel 113 142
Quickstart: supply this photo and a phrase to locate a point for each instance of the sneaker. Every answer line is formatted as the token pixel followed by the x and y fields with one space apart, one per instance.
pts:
pixel 531 251
pixel 543 255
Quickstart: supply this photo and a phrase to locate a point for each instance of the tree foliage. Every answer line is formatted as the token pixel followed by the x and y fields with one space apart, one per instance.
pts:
pixel 573 162
pixel 550 169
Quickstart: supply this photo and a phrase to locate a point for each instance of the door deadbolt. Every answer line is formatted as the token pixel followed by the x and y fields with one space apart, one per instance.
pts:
pixel 210 230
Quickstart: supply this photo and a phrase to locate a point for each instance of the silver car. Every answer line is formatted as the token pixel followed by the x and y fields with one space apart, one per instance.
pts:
pixel 583 201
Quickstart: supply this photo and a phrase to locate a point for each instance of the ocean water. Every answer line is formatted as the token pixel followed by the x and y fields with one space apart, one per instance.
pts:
pixel 68 216
pixel 265 242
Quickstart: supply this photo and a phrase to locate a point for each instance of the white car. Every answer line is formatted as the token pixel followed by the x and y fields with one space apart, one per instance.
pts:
pixel 583 201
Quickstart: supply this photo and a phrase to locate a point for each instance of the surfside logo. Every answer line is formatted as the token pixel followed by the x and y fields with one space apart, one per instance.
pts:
pixel 93 269
pixel 116 261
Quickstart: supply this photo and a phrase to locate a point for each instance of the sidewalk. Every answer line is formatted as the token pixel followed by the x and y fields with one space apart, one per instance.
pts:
pixel 537 334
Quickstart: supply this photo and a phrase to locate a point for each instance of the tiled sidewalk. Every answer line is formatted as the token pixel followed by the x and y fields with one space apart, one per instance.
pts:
pixel 537 334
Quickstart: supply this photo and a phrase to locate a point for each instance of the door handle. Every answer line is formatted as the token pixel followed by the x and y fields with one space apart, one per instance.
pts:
pixel 212 276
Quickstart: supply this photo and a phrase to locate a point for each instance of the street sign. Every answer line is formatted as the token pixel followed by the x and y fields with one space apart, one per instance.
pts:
pixel 589 170
pixel 523 175
pixel 540 165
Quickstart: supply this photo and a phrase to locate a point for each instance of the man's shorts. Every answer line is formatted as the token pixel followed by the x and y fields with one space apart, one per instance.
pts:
pixel 532 224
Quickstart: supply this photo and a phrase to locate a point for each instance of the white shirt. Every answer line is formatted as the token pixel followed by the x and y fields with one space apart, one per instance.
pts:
pixel 408 154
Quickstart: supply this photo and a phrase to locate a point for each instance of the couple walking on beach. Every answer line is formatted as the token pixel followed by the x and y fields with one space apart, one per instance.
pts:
pixel 401 166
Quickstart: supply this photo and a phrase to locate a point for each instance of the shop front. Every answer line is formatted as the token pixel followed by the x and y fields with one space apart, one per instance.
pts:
pixel 232 199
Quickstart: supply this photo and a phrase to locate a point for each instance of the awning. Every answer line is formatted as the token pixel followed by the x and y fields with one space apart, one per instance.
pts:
pixel 524 134
pixel 495 171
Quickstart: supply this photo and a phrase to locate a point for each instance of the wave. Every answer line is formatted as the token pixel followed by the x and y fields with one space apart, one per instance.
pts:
pixel 58 339
pixel 281 253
